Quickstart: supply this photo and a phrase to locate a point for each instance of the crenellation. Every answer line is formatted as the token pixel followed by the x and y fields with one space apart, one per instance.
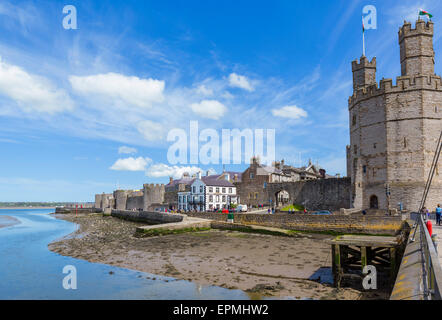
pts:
pixel 422 27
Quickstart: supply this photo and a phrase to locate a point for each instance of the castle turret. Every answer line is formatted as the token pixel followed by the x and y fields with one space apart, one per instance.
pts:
pixel 417 54
pixel 364 72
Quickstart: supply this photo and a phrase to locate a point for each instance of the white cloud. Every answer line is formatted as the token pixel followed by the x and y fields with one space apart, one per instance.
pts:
pixel 203 90
pixel 131 164
pixel 239 81
pixel 291 112
pixel 120 89
pixel 126 150
pixel 163 170
pixel 211 109
pixel 32 93
pixel 150 130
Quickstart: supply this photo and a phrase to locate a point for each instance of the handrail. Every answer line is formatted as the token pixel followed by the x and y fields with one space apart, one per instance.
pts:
pixel 432 277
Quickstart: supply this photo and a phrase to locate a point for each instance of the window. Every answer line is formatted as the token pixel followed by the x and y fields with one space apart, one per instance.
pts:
pixel 194 189
pixel 201 198
pixel 354 120
pixel 405 142
pixel 252 175
pixel 230 190
pixel 355 148
pixel 224 190
pixel 210 198
pixel 210 206
pixel 180 199
pixel 210 189
pixel 217 190
pixel 217 198
pixel 201 189
pixel 364 169
pixel 374 145
pixel 256 195
pixel 224 198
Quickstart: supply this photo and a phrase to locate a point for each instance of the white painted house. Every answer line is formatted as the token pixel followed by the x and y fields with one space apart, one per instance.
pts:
pixel 208 193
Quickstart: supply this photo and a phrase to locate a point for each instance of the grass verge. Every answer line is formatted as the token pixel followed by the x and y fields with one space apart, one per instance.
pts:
pixel 162 232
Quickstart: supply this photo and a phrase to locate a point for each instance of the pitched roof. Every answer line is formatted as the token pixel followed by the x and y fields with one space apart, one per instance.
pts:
pixel 185 180
pixel 214 181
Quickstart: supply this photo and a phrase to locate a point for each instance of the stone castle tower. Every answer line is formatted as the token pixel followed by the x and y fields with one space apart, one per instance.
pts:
pixel 394 128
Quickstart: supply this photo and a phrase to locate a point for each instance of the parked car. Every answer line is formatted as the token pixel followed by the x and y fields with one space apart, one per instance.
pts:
pixel 322 213
pixel 242 208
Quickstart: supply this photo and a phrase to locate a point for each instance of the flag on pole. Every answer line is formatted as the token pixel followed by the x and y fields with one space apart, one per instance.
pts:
pixel 425 13
pixel 363 37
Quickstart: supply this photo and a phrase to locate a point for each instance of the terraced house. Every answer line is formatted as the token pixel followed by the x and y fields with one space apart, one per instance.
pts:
pixel 208 193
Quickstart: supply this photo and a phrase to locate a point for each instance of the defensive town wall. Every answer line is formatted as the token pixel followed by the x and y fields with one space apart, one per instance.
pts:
pixel 153 195
pixel 320 194
pixel 132 200
pixel 135 203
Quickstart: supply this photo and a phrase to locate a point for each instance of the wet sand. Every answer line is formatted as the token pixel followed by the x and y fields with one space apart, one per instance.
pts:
pixel 261 265
pixel 7 221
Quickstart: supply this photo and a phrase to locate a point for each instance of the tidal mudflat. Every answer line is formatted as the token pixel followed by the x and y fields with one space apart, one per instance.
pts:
pixel 261 265
pixel 7 221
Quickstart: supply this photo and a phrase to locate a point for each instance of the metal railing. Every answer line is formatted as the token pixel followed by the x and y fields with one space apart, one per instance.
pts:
pixel 432 272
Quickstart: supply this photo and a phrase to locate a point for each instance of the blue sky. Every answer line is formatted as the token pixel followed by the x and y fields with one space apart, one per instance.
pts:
pixel 82 111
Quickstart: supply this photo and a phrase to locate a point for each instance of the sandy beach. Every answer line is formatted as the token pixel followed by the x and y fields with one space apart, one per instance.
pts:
pixel 261 265
pixel 7 221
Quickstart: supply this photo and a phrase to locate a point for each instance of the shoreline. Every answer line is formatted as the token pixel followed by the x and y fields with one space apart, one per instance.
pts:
pixel 30 208
pixel 260 265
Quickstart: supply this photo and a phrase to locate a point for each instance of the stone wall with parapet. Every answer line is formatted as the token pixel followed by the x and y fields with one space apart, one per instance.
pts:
pixel 307 222
pixel 77 210
pixel 135 203
pixel 147 217
pixel 321 194
pixel 403 84
pixel 153 194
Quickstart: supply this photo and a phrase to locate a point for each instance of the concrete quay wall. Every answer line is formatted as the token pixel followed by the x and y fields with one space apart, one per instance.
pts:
pixel 306 222
pixel 147 216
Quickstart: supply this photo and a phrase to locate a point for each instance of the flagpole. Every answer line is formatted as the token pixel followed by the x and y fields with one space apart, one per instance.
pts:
pixel 363 37
pixel 363 43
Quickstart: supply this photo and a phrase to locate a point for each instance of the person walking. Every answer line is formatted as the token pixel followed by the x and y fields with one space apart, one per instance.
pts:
pixel 438 214
pixel 424 213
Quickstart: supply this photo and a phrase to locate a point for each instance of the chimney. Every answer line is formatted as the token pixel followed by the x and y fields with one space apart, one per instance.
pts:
pixel 235 179
pixel 227 176
pixel 199 175
pixel 207 173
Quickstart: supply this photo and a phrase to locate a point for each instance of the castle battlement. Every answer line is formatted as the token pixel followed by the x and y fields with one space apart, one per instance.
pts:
pixel 422 28
pixel 403 84
pixel 363 63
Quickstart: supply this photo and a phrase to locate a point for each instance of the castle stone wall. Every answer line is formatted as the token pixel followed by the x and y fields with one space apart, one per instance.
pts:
pixel 153 194
pixel 135 203
pixel 321 194
pixel 394 128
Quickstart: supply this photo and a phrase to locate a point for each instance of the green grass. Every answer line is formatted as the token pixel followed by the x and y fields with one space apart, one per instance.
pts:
pixel 163 232
pixel 295 207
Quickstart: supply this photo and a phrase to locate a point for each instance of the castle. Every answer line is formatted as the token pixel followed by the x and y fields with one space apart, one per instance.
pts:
pixel 394 128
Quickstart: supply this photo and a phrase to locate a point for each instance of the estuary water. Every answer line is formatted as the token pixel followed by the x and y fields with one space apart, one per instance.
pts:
pixel 28 270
